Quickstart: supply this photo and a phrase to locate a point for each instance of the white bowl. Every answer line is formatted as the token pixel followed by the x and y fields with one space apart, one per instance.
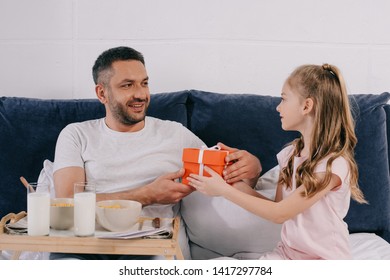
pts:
pixel 61 213
pixel 118 215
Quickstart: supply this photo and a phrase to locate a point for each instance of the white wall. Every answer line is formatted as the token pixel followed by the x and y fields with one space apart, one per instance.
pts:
pixel 47 47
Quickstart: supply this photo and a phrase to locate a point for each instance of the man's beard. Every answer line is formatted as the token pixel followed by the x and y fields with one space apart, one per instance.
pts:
pixel 120 112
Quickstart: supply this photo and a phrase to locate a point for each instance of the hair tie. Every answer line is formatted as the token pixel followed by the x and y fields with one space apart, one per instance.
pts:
pixel 328 67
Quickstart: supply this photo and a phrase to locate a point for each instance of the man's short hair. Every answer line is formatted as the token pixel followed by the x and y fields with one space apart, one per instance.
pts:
pixel 104 62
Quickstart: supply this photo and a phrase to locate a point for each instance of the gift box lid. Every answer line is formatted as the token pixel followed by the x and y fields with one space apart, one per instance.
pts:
pixel 210 157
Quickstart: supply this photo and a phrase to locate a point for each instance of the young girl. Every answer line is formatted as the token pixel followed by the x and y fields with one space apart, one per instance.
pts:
pixel 318 172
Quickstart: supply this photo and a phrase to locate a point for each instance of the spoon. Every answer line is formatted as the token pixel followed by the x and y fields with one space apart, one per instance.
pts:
pixel 26 184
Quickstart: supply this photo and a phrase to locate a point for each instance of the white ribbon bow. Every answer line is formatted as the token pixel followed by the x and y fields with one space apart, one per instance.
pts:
pixel 200 157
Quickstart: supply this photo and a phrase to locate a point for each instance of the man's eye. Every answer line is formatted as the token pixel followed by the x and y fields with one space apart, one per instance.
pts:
pixel 126 85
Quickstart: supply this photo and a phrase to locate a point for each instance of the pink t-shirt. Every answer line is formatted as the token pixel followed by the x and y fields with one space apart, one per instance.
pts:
pixel 320 231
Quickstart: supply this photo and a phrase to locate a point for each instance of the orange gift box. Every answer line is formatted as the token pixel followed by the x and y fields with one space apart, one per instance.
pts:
pixel 194 161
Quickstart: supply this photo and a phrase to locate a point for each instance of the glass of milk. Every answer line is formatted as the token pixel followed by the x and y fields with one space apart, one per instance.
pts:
pixel 38 209
pixel 84 209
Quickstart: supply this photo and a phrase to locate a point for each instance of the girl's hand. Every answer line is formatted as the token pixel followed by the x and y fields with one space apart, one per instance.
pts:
pixel 213 186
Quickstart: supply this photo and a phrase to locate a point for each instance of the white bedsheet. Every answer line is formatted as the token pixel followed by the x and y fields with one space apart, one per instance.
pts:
pixel 369 246
pixel 364 246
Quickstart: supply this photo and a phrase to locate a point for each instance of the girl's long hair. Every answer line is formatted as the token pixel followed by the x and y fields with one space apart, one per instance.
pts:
pixel 333 132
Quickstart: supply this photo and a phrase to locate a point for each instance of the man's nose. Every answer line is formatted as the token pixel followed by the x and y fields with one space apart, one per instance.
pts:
pixel 140 92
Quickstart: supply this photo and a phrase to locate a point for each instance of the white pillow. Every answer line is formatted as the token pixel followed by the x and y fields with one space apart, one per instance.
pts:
pixel 217 227
pixel 46 176
pixel 267 183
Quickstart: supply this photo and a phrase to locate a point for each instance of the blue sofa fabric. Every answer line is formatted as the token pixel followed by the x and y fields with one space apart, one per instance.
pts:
pixel 29 129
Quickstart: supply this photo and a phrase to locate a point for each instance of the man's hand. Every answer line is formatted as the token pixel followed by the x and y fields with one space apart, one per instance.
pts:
pixel 163 190
pixel 166 189
pixel 245 166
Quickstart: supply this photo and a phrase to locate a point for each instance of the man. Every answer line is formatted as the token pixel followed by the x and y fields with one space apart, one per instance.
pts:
pixel 126 154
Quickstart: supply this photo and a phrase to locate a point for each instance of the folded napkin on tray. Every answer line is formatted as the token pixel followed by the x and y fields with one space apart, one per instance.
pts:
pixel 19 227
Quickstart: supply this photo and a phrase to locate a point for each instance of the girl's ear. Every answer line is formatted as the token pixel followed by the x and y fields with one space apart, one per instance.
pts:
pixel 308 106
pixel 100 93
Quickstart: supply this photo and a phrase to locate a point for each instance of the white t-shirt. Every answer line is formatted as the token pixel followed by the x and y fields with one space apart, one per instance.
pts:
pixel 117 161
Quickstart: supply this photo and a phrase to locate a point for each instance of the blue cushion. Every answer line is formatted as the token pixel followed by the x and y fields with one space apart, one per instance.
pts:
pixel 244 121
pixel 28 133
pixel 371 154
pixel 169 106
pixel 29 129
pixel 387 110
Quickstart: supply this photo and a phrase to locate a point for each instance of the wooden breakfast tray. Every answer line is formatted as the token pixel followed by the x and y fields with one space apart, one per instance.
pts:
pixel 169 247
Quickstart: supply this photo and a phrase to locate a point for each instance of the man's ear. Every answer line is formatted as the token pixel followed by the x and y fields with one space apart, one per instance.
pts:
pixel 308 106
pixel 101 93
